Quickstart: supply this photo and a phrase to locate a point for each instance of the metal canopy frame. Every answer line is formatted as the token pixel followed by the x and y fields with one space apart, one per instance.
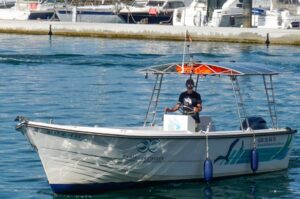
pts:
pixel 200 68
pixel 208 69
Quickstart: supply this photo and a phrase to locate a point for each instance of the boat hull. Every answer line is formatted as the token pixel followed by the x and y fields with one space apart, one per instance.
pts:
pixel 146 18
pixel 14 14
pixel 44 15
pixel 92 16
pixel 78 162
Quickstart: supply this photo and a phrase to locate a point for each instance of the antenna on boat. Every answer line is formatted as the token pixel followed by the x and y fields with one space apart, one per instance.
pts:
pixel 187 51
pixel 183 54
pixel 185 45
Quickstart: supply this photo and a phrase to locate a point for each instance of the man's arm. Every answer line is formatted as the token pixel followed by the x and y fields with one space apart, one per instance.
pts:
pixel 198 108
pixel 175 108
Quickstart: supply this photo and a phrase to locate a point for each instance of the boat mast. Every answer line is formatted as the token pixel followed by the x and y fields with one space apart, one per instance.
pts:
pixel 184 45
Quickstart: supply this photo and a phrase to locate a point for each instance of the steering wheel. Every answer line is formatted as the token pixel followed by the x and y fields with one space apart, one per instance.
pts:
pixel 186 110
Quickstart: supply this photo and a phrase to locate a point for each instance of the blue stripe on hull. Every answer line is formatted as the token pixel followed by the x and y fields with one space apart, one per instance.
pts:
pixel 44 15
pixel 152 19
pixel 84 189
pixel 80 189
pixel 87 12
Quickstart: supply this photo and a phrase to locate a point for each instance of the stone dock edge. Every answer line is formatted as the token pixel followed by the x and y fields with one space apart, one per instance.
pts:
pixel 153 32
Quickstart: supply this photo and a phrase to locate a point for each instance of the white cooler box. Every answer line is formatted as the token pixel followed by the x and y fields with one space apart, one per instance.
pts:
pixel 179 123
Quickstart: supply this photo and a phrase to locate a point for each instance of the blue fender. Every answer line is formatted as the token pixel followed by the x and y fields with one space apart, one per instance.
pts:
pixel 208 170
pixel 254 160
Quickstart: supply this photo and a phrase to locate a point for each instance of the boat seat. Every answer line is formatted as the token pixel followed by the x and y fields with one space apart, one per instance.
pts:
pixel 204 123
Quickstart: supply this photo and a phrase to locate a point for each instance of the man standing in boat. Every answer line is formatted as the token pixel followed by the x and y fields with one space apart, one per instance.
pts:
pixel 189 102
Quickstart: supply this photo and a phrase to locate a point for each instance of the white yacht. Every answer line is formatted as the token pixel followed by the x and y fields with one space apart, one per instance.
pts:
pixel 153 12
pixel 193 15
pixel 230 15
pixel 29 10
pixel 265 14
pixel 278 15
pixel 7 3
pixel 93 14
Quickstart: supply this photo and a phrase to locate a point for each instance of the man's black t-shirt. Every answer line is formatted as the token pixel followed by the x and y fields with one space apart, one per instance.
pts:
pixel 191 100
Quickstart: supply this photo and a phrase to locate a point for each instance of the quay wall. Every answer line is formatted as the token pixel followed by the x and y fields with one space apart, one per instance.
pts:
pixel 147 31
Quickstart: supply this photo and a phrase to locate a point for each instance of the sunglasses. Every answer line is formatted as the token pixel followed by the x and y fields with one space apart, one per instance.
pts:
pixel 190 86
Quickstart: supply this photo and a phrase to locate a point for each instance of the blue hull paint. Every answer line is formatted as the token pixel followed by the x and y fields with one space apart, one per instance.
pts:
pixel 42 15
pixel 151 19
pixel 87 12
pixel 92 189
pixel 85 189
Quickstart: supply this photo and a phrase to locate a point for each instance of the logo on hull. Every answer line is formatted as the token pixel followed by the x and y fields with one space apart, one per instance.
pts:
pixel 148 145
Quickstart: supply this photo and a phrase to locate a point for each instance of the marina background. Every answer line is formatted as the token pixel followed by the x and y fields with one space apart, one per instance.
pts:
pixel 92 81
pixel 247 21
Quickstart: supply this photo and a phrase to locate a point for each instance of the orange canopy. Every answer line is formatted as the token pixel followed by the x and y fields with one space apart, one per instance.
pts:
pixel 226 69
pixel 204 69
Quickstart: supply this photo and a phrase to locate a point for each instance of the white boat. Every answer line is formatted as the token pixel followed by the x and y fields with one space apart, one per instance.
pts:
pixel 29 10
pixel 193 15
pixel 265 14
pixel 92 14
pixel 277 14
pixel 7 3
pixel 153 12
pixel 88 160
pixel 230 15
pixel 276 19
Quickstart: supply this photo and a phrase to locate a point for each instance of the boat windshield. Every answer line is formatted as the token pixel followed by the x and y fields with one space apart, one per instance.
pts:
pixel 155 3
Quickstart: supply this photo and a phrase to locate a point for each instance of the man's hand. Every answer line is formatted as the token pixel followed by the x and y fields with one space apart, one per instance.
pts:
pixel 168 110
pixel 197 108
pixel 175 108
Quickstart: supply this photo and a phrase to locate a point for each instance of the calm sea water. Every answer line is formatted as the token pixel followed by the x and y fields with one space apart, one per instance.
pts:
pixel 91 82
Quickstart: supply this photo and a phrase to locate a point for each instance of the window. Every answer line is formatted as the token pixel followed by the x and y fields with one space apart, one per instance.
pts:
pixel 155 3
pixel 175 4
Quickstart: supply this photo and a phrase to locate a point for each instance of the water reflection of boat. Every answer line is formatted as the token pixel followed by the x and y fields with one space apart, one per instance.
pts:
pixel 94 13
pixel 29 10
pixel 79 159
pixel 153 12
